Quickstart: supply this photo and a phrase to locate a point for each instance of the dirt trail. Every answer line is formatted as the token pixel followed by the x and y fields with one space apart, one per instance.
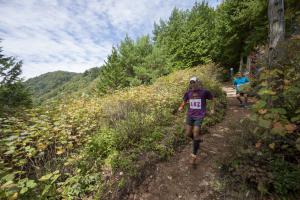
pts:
pixel 177 179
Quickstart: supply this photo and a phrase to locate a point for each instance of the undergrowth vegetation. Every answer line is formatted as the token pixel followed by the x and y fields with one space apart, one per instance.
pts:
pixel 266 153
pixel 90 147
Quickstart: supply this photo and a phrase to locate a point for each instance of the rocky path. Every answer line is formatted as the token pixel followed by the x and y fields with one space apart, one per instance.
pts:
pixel 177 179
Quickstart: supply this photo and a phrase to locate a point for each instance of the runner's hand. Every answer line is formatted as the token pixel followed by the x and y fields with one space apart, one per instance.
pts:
pixel 180 109
pixel 212 111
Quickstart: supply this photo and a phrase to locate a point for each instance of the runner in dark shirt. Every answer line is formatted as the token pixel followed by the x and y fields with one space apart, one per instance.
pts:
pixel 196 97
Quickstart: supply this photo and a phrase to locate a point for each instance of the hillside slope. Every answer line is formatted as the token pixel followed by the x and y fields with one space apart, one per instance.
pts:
pixel 53 85
pixel 101 142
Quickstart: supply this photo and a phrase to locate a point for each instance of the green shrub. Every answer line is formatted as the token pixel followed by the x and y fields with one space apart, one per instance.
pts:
pixel 267 151
pixel 286 177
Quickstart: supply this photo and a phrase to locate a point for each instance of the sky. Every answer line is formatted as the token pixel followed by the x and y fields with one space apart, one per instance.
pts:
pixel 75 35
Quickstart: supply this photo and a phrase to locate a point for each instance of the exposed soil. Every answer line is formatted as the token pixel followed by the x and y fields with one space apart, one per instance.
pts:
pixel 178 179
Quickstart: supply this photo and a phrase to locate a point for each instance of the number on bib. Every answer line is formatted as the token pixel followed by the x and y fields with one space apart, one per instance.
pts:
pixel 195 104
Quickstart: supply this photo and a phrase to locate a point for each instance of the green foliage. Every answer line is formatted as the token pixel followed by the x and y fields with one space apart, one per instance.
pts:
pixel 132 64
pixel 13 98
pixel 60 84
pixel 240 27
pixel 36 142
pixel 73 149
pixel 10 69
pixel 80 146
pixel 13 94
pixel 198 35
pixel 292 15
pixel 202 34
pixel 103 144
pixel 170 36
pixel 268 149
pixel 187 36
pixel 286 177
pixel 48 82
pixel 186 39
pixel 112 75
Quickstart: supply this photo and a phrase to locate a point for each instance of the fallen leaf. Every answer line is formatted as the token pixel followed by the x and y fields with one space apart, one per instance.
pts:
pixel 290 128
pixel 258 144
pixel 262 111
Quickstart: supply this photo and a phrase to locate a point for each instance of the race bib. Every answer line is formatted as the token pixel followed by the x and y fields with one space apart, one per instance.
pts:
pixel 195 104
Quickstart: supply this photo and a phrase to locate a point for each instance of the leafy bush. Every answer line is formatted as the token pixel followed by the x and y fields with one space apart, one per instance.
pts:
pixel 286 177
pixel 267 154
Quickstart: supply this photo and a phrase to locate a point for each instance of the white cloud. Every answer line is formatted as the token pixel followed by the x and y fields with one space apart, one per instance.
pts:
pixel 74 35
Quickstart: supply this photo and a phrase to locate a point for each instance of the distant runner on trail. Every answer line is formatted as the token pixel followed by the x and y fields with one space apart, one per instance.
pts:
pixel 196 97
pixel 238 83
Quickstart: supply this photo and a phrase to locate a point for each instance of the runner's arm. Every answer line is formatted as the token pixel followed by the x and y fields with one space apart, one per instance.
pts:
pixel 181 107
pixel 185 101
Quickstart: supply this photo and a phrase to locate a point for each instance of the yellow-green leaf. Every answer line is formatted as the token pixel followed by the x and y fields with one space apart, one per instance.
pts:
pixel 54 178
pixel 46 177
pixel 8 184
pixel 272 146
pixel 14 196
pixel 31 184
pixel 60 150
pixel 9 177
pixel 23 190
pixel 46 189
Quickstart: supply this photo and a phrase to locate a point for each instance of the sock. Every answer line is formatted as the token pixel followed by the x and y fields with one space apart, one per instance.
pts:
pixel 196 145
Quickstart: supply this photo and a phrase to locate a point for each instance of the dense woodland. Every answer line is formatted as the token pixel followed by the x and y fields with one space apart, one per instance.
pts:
pixel 77 146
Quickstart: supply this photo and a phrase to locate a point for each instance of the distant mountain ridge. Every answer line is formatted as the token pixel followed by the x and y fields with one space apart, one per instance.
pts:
pixel 59 83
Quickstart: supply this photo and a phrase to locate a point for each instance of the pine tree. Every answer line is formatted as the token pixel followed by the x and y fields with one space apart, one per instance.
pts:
pixel 199 35
pixel 13 94
pixel 112 75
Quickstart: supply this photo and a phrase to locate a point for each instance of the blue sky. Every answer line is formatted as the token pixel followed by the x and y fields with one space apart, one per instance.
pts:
pixel 75 35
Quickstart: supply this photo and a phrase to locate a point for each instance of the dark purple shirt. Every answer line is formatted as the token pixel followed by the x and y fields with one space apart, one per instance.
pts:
pixel 197 102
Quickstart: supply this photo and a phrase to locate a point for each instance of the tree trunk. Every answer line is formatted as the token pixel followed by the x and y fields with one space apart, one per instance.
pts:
pixel 276 35
pixel 276 28
pixel 249 63
pixel 241 63
pixel 276 22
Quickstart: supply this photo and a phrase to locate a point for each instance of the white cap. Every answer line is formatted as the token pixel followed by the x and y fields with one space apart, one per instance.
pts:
pixel 194 78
